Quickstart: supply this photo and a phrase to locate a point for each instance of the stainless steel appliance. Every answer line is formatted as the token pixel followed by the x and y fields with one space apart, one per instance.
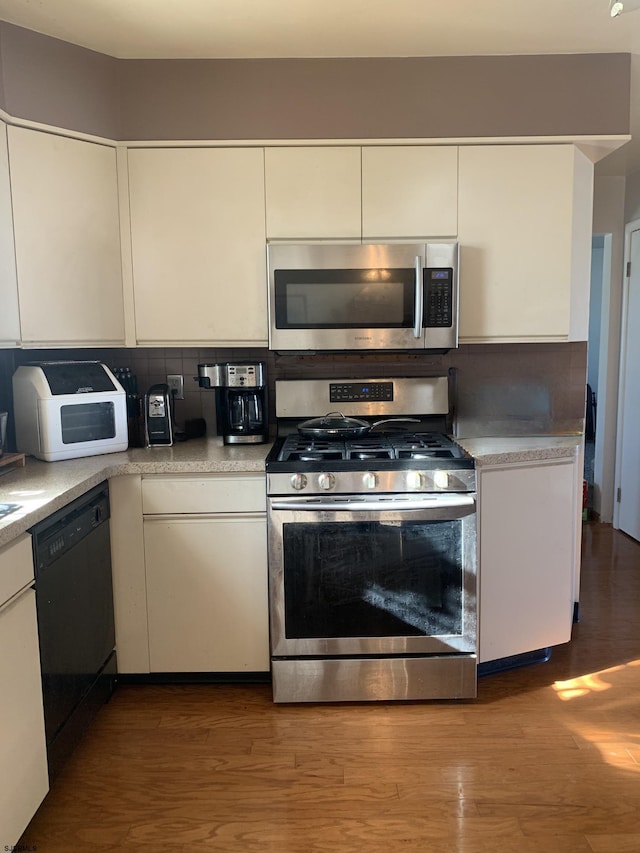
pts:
pixel 67 409
pixel 241 400
pixel 74 602
pixel 372 547
pixel 352 297
pixel 158 421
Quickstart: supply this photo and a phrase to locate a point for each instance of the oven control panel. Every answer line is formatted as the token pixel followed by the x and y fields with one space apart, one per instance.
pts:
pixel 364 482
pixel 360 392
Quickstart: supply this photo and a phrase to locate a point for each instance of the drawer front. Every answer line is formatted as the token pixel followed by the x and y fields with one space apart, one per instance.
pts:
pixel 16 567
pixel 216 493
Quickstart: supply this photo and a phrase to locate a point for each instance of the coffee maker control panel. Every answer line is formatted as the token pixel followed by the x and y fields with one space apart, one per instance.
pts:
pixel 244 376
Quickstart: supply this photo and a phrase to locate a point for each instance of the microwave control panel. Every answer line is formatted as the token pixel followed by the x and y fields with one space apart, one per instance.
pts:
pixel 438 302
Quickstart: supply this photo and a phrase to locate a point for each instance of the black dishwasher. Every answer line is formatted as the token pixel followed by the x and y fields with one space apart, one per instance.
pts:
pixel 74 601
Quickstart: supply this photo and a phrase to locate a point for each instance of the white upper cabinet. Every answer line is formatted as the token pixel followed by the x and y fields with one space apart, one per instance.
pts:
pixel 198 246
pixel 67 239
pixel 9 315
pixel 353 193
pixel 409 192
pixel 524 228
pixel 313 193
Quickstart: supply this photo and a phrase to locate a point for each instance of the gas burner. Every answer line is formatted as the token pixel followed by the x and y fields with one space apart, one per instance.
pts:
pixel 425 454
pixel 315 456
pixel 372 447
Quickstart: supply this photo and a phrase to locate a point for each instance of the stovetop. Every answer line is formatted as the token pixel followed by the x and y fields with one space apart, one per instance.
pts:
pixel 427 448
pixel 380 454
pixel 397 459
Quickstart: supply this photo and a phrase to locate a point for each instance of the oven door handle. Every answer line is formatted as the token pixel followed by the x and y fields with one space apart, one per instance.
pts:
pixel 436 501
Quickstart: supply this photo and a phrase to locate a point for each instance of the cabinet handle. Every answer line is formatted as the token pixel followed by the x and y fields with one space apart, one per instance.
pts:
pixel 417 319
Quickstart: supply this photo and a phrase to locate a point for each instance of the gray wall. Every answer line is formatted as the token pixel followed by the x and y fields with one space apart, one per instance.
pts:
pixel 47 80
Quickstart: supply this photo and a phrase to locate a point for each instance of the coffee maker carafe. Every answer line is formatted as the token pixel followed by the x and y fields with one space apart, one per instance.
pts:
pixel 241 400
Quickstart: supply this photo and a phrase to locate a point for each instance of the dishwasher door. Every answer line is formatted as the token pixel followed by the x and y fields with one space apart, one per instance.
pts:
pixel 74 601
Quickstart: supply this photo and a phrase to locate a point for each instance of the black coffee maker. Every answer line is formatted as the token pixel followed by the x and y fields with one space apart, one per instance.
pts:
pixel 241 400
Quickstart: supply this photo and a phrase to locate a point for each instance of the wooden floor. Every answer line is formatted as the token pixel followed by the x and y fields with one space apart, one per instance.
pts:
pixel 546 759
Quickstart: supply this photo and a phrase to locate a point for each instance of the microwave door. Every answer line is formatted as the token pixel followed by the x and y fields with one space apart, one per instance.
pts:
pixel 346 298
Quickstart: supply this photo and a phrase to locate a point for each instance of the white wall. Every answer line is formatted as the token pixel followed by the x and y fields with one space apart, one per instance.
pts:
pixel 609 218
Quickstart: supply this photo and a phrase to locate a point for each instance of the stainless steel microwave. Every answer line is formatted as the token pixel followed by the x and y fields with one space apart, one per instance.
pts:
pixel 395 296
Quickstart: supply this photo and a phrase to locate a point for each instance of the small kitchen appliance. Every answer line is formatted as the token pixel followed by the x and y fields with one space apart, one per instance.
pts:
pixel 157 416
pixel 400 296
pixel 372 544
pixel 67 409
pixel 241 400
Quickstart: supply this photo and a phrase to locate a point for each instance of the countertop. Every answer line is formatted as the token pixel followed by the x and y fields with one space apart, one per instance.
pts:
pixel 43 487
pixel 526 448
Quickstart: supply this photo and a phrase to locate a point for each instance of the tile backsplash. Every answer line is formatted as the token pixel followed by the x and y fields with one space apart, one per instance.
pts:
pixel 499 389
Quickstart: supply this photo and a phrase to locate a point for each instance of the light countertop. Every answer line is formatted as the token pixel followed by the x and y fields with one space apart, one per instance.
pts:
pixel 44 487
pixel 526 448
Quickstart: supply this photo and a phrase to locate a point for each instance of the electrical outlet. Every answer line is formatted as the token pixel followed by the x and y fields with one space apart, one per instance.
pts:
pixel 175 381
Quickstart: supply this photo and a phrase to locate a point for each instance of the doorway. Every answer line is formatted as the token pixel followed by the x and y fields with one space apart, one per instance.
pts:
pixel 627 505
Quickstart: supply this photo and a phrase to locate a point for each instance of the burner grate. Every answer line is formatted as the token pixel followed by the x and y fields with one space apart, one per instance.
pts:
pixel 381 445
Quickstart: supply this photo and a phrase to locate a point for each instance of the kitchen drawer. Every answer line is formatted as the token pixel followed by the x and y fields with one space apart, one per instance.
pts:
pixel 196 494
pixel 16 567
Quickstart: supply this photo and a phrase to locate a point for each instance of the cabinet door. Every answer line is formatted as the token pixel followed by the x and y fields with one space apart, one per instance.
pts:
pixel 9 315
pixel 524 233
pixel 528 522
pixel 128 573
pixel 67 237
pixel 207 593
pixel 313 193
pixel 409 192
pixel 24 779
pixel 198 246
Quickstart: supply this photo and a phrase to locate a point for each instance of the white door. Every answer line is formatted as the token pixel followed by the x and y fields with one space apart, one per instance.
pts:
pixel 628 455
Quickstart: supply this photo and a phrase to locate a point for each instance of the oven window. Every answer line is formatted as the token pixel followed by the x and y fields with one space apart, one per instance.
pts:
pixel 87 422
pixel 344 299
pixel 373 579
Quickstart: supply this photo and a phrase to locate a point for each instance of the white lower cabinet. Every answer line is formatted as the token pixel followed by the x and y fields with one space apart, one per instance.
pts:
pixel 528 556
pixel 207 593
pixel 24 777
pixel 205 559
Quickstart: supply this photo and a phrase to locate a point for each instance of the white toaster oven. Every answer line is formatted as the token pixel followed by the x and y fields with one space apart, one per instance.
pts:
pixel 66 409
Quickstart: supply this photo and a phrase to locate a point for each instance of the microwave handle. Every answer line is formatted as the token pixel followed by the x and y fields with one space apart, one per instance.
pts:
pixel 418 301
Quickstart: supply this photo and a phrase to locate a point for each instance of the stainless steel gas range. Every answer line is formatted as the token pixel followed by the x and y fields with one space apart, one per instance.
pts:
pixel 372 544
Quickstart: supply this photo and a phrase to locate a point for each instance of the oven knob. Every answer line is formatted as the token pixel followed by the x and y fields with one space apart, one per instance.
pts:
pixel 415 480
pixel 369 480
pixel 441 480
pixel 326 481
pixel 298 481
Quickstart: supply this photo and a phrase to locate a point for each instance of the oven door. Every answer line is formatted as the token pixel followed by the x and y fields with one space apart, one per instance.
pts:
pixel 373 575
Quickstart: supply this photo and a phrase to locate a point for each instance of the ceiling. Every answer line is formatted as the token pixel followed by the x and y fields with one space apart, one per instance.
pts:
pixel 240 29
pixel 329 28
